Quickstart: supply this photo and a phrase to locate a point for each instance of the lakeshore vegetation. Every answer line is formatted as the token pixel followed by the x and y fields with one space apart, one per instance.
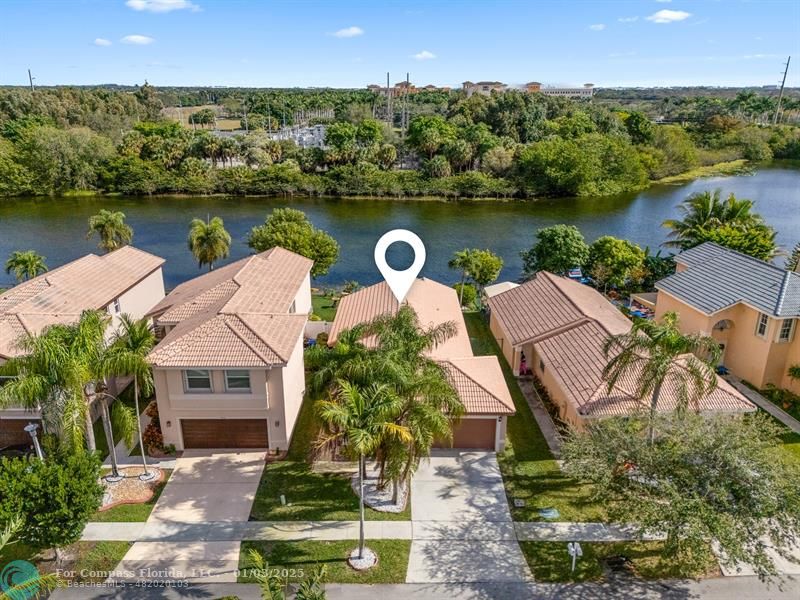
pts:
pixel 98 140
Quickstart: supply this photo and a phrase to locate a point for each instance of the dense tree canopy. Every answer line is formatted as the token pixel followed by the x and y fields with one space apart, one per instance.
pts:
pixel 557 249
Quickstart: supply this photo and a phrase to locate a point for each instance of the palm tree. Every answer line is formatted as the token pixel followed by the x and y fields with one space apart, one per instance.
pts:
pixel 360 419
pixel 792 263
pixel 52 373
pixel 462 261
pixel 654 354
pixel 208 241
pixel 794 372
pixel 25 264
pixel 110 226
pixel 705 210
pixel 128 356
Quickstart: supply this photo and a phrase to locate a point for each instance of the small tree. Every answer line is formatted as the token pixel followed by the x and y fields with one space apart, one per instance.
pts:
pixel 557 249
pixel 209 241
pixel 793 262
pixel 111 228
pixel 617 258
pixel 55 498
pixel 704 479
pixel 25 264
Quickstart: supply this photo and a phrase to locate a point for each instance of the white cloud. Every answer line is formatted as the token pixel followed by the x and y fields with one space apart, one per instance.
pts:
pixel 669 16
pixel 102 42
pixel 664 1
pixel 597 27
pixel 137 40
pixel 424 55
pixel 349 32
pixel 161 6
pixel 628 19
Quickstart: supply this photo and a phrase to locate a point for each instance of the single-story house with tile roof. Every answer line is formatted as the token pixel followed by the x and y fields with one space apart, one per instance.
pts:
pixel 127 280
pixel 555 328
pixel 478 380
pixel 751 307
pixel 229 369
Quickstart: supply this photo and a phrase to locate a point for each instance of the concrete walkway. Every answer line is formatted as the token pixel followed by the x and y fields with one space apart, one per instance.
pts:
pixel 177 542
pixel 764 404
pixel 543 418
pixel 461 522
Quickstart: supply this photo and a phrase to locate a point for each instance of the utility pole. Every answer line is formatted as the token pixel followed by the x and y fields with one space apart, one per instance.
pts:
pixel 780 96
pixel 404 120
pixel 30 79
pixel 389 115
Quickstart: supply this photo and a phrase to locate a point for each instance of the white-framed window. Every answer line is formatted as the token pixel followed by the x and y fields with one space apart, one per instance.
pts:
pixel 197 380
pixel 786 330
pixel 761 325
pixel 237 380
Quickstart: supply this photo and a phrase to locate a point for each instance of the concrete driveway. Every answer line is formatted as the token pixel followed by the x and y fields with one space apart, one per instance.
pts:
pixel 206 485
pixel 462 526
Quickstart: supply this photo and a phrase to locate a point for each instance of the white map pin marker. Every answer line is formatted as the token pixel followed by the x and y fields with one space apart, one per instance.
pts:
pixel 400 281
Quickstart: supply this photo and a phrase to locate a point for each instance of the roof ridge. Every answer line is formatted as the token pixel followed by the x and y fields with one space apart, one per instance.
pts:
pixel 727 250
pixel 470 377
pixel 225 318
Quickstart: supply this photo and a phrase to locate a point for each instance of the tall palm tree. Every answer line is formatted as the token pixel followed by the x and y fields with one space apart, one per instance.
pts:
pixel 52 372
pixel 462 261
pixel 654 354
pixel 705 210
pixel 792 263
pixel 25 264
pixel 209 241
pixel 128 356
pixel 360 419
pixel 110 226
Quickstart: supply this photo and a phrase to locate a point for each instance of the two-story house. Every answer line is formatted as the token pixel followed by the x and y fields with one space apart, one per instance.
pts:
pixel 229 369
pixel 749 306
pixel 128 281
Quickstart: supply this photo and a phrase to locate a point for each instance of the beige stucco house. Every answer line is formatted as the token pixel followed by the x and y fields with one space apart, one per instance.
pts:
pixel 229 369
pixel 478 380
pixel 555 328
pixel 749 306
pixel 128 281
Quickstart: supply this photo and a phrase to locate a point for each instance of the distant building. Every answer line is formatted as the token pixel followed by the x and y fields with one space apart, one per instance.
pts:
pixel 565 92
pixel 404 87
pixel 484 88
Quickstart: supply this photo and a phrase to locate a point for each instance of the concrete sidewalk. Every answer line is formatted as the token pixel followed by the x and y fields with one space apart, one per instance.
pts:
pixel 764 404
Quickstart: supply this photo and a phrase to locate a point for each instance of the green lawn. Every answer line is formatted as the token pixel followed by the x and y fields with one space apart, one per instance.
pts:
pixel 300 558
pixel 96 557
pixel 323 307
pixel 309 495
pixel 529 470
pixel 130 513
pixel 550 562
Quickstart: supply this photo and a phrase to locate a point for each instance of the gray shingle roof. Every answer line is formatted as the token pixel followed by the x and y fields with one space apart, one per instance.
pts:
pixel 716 278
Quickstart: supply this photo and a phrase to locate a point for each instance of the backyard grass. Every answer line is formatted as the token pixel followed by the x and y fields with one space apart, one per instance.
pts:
pixel 529 470
pixel 550 562
pixel 322 305
pixel 300 558
pixel 132 513
pixel 84 562
pixel 309 496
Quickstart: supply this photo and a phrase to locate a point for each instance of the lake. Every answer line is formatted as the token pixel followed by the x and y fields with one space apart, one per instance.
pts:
pixel 56 227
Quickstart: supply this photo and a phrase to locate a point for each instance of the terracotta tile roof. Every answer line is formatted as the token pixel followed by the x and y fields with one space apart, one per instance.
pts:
pixel 480 384
pixel 479 381
pixel 61 295
pixel 576 360
pixel 237 315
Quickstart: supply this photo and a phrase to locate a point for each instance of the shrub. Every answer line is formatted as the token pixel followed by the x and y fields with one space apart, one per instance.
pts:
pixel 470 294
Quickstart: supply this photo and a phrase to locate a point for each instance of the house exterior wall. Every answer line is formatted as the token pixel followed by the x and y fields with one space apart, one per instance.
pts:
pixel 138 300
pixel 567 411
pixel 302 300
pixel 502 340
pixel 756 359
pixel 265 401
pixel 294 389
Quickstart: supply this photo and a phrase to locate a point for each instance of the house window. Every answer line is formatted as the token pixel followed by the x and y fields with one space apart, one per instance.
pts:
pixel 761 326
pixel 293 307
pixel 787 328
pixel 197 380
pixel 237 380
pixel 116 307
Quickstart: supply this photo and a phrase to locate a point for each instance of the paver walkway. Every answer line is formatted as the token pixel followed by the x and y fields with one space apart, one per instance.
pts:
pixel 764 404
pixel 206 486
pixel 462 526
pixel 543 418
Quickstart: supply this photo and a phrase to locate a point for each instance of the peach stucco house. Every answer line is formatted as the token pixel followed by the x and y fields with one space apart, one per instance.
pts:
pixel 555 328
pixel 128 281
pixel 478 380
pixel 749 306
pixel 229 369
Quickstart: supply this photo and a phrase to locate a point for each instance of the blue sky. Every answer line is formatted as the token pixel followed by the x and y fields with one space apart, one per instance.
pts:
pixel 352 43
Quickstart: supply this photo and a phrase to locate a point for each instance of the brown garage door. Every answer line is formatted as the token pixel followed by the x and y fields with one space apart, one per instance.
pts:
pixel 472 433
pixel 12 432
pixel 224 433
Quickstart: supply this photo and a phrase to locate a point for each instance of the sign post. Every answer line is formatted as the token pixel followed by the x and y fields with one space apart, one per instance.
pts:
pixel 574 549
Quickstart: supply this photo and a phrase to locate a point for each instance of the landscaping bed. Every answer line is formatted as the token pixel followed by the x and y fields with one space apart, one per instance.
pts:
pixel 138 512
pixel 299 559
pixel 83 562
pixel 550 562
pixel 530 473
